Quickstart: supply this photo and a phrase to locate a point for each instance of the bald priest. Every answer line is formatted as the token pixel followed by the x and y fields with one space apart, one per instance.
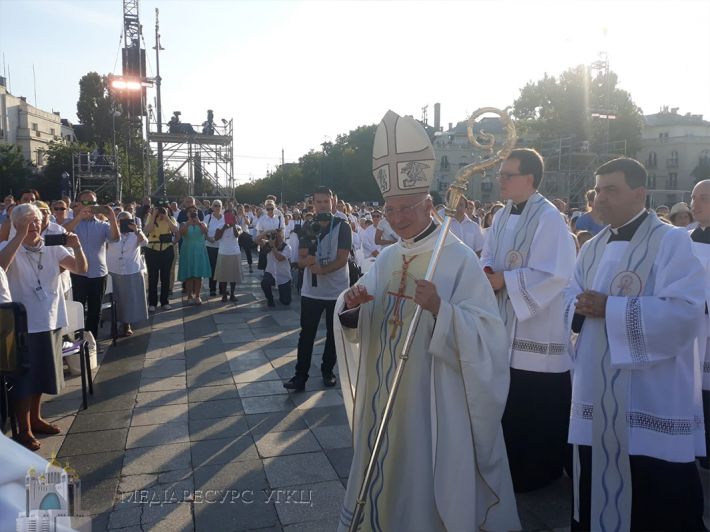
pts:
pixel 443 464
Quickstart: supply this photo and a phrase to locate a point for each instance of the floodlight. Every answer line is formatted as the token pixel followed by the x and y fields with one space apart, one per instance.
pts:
pixel 117 84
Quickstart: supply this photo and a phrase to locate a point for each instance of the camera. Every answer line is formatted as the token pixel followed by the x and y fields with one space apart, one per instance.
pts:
pixel 193 215
pixel 310 230
pixel 161 210
pixel 272 236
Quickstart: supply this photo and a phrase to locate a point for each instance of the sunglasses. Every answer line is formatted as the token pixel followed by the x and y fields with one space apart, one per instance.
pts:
pixel 88 202
pixel 270 209
pixel 60 208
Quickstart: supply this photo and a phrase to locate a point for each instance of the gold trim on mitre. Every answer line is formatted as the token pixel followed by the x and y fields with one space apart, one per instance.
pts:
pixel 403 159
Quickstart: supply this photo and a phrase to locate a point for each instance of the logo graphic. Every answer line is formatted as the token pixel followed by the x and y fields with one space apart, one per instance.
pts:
pixel 626 284
pixel 415 174
pixel 52 500
pixel 383 179
pixel 513 260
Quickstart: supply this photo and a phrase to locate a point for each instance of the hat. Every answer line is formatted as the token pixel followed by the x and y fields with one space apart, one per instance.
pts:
pixel 679 207
pixel 402 157
pixel 368 217
pixel 296 211
pixel 289 213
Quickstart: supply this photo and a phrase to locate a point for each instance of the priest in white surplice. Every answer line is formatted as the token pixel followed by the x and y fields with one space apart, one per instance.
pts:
pixel 700 236
pixel 531 254
pixel 636 298
pixel 443 465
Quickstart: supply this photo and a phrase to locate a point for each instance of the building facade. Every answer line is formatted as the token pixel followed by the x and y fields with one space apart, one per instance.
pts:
pixel 673 146
pixel 453 151
pixel 29 127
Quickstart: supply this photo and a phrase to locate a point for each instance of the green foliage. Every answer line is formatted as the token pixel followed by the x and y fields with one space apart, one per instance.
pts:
pixel 345 166
pixel 14 172
pixel 701 172
pixel 560 107
pixel 94 109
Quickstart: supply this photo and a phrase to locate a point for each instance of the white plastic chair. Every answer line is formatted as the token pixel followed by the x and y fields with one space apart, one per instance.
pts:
pixel 75 325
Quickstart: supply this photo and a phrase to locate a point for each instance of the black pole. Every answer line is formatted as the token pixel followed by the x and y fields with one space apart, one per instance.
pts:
pixel 161 172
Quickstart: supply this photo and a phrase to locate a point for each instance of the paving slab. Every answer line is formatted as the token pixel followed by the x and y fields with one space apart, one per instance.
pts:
pixel 223 451
pixel 161 398
pixel 298 469
pixel 311 502
pixel 215 409
pixel 255 389
pixel 156 459
pixel 285 443
pixel 158 415
pixel 212 429
pixel 94 442
pixel 152 435
pixel 213 393
pixel 314 399
pixel 333 436
pixel 341 460
pixel 275 422
pixel 273 403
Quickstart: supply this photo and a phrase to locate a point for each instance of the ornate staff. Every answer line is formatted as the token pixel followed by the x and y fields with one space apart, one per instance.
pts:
pixel 454 194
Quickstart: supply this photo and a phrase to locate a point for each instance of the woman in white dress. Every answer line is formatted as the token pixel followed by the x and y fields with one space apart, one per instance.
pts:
pixel 33 274
pixel 125 265
pixel 229 259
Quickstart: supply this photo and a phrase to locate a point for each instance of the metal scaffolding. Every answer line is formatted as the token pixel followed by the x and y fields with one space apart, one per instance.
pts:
pixel 99 173
pixel 570 166
pixel 204 152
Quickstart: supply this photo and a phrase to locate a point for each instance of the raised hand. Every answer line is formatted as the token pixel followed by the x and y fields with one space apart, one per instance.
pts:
pixel 356 296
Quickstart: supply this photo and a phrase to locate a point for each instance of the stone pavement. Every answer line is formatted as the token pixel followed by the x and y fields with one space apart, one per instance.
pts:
pixel 190 429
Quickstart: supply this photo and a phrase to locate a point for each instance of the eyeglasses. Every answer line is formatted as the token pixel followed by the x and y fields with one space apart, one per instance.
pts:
pixel 377 216
pixel 87 202
pixel 60 208
pixel 506 177
pixel 269 208
pixel 389 211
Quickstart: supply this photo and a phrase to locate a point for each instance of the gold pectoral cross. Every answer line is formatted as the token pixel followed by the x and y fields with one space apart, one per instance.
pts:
pixel 396 320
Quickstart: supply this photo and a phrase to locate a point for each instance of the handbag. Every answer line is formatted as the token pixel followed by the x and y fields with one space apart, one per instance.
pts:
pixel 14 351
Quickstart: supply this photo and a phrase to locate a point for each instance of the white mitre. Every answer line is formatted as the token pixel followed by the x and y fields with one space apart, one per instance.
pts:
pixel 402 157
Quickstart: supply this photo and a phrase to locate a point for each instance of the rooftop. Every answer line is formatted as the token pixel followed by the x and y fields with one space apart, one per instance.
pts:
pixel 673 118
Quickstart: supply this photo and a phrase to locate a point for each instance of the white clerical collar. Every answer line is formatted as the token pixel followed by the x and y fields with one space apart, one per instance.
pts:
pixel 616 231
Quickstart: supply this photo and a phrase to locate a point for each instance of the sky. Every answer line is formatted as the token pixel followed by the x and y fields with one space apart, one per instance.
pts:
pixel 292 74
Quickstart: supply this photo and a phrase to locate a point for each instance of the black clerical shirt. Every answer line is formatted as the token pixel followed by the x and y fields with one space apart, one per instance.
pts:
pixel 518 209
pixel 623 234
pixel 701 235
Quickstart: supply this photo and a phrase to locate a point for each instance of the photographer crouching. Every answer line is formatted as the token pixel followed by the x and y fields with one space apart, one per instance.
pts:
pixel 323 251
pixel 278 267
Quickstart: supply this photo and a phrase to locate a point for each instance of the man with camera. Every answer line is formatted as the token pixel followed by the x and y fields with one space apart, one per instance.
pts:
pixel 89 288
pixel 278 267
pixel 323 252
pixel 266 224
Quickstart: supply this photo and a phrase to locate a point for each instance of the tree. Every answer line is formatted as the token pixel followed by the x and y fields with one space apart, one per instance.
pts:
pixel 701 172
pixel 561 107
pixel 15 173
pixel 95 109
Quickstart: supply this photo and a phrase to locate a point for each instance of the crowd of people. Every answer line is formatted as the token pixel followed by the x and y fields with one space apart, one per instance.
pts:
pixel 560 317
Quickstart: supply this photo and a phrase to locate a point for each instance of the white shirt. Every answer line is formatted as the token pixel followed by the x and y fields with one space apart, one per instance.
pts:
pixel 213 223
pixel 228 243
pixel 124 257
pixel 4 288
pixel 469 232
pixel 56 229
pixel 341 215
pixel 368 241
pixel 387 232
pixel 280 269
pixel 267 223
pixel 22 276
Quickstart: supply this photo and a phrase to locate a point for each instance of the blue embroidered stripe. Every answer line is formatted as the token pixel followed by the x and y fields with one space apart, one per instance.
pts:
pixel 634 332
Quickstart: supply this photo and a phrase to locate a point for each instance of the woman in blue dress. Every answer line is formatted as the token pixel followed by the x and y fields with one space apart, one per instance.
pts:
pixel 194 262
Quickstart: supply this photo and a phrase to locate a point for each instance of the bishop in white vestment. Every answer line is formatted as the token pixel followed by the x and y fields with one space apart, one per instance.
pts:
pixel 531 253
pixel 637 300
pixel 443 465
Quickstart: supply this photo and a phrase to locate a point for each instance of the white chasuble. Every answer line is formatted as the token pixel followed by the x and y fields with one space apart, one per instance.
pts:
pixel 635 385
pixel 443 464
pixel 536 252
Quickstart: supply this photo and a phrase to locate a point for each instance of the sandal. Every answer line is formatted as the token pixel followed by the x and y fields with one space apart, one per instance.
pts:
pixel 27 440
pixel 127 330
pixel 45 428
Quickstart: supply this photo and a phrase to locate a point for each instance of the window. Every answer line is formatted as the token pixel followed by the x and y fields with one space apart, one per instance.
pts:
pixel 463 162
pixel 704 158
pixel 672 161
pixel 445 163
pixel 35 126
pixel 40 157
pixel 652 181
pixel 652 160
pixel 672 181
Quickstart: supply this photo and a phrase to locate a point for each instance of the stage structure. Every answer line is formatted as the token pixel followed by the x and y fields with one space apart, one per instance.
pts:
pixel 203 153
pixel 570 166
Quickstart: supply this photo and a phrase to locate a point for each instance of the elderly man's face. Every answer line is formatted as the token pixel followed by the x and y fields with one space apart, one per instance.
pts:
pixel 410 215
